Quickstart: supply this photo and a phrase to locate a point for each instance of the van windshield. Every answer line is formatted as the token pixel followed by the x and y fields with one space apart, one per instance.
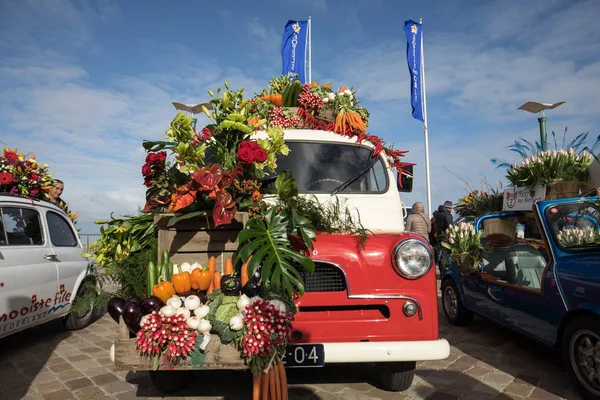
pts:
pixel 320 167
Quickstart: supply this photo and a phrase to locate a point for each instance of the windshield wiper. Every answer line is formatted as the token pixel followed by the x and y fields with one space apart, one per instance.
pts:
pixel 355 177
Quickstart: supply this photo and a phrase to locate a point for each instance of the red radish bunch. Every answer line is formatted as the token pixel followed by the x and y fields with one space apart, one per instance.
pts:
pixel 266 327
pixel 278 118
pixel 309 100
pixel 159 331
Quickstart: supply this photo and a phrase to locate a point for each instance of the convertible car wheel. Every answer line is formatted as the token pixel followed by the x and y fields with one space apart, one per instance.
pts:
pixel 581 353
pixel 455 311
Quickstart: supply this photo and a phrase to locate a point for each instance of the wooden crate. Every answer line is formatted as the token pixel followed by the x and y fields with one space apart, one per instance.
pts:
pixel 217 356
pixel 196 239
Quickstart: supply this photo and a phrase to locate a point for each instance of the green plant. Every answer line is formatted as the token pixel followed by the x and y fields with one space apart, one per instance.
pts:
pixel 550 166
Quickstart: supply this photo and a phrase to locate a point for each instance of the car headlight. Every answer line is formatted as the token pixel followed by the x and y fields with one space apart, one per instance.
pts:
pixel 412 258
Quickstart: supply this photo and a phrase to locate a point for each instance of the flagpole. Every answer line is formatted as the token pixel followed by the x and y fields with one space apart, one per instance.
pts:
pixel 309 49
pixel 425 129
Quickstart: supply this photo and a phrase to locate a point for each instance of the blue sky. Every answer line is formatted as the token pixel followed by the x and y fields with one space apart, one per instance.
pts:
pixel 83 83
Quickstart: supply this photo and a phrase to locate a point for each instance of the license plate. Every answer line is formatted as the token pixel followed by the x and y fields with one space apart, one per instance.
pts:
pixel 304 355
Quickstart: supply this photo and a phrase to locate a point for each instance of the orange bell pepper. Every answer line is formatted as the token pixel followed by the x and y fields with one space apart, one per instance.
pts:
pixel 164 291
pixel 201 278
pixel 182 282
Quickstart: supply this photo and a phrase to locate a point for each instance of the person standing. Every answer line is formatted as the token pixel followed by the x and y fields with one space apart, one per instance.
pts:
pixel 443 220
pixel 417 222
pixel 54 193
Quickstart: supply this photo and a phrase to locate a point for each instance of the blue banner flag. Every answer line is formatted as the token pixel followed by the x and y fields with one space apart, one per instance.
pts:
pixel 413 32
pixel 293 49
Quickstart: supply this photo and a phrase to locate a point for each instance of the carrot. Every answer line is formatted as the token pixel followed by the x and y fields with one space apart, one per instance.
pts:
pixel 217 281
pixel 256 386
pixel 244 274
pixel 228 267
pixel 283 380
pixel 278 387
pixel 265 386
pixel 210 288
pixel 212 265
pixel 273 384
pixel 342 89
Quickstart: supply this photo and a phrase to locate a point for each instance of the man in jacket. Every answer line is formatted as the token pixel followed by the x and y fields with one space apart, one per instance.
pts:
pixel 443 219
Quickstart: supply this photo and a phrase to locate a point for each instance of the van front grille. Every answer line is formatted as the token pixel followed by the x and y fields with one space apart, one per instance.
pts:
pixel 325 278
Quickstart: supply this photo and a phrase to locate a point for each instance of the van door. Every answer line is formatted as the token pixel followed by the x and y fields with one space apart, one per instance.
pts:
pixel 28 273
pixel 69 255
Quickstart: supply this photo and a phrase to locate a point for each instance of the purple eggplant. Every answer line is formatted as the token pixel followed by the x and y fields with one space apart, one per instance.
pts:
pixel 133 297
pixel 116 305
pixel 132 315
pixel 150 304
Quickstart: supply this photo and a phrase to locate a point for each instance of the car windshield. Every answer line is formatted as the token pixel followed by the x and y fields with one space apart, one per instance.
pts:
pixel 575 226
pixel 323 167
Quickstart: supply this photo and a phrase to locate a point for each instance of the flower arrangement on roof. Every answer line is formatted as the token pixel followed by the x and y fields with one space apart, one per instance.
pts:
pixel 22 175
pixel 480 202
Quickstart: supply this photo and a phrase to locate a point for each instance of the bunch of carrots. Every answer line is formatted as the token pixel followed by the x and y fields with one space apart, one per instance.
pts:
pixel 349 121
pixel 271 385
pixel 216 280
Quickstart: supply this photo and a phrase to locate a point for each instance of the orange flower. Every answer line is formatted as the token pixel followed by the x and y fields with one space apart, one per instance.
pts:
pixel 314 84
pixel 326 86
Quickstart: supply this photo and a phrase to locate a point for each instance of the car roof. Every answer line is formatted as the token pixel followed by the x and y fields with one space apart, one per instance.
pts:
pixel 13 200
pixel 317 135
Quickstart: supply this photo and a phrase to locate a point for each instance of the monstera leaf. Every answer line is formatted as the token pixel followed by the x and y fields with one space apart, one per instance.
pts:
pixel 267 242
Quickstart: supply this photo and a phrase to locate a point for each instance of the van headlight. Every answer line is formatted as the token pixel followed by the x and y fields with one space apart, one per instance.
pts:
pixel 412 258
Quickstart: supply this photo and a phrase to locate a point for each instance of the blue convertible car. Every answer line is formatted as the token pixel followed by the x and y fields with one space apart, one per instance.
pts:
pixel 544 283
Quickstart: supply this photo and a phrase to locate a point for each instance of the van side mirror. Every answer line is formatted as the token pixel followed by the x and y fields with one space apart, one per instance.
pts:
pixel 405 179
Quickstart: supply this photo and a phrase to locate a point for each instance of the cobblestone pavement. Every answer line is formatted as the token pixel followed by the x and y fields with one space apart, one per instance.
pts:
pixel 486 362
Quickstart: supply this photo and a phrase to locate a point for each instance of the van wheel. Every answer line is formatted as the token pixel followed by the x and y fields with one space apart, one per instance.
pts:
pixel 169 381
pixel 80 319
pixel 581 354
pixel 455 311
pixel 396 376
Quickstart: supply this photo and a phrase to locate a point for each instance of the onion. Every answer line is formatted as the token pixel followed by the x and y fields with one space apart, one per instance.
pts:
pixel 279 305
pixel 331 96
pixel 195 265
pixel 202 311
pixel 185 267
pixel 192 302
pixel 325 99
pixel 174 302
pixel 184 311
pixel 168 311
pixel 242 302
pixel 236 322
pixel 347 92
pixel 204 327
pixel 193 322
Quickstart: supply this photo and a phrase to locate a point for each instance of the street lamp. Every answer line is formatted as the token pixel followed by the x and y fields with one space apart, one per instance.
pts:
pixel 535 107
pixel 196 109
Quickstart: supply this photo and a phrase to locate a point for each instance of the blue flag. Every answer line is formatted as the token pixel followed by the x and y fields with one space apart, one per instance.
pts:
pixel 293 49
pixel 413 32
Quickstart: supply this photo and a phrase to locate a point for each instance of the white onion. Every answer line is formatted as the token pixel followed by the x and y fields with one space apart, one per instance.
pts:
pixel 204 327
pixel 325 99
pixel 184 311
pixel 193 322
pixel 185 267
pixel 174 302
pixel 168 311
pixel 242 302
pixel 202 311
pixel 331 96
pixel 194 266
pixel 192 302
pixel 236 322
pixel 347 92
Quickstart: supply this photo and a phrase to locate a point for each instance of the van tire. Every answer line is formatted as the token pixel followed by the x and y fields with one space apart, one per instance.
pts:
pixel 169 381
pixel 456 313
pixel 396 376
pixel 75 321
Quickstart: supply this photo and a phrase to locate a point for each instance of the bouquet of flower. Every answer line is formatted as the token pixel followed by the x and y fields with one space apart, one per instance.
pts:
pixel 479 202
pixel 548 167
pixel 464 245
pixel 22 175
pixel 572 237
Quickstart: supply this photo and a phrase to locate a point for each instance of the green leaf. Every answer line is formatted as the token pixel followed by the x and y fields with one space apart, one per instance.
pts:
pixel 286 186
pixel 267 242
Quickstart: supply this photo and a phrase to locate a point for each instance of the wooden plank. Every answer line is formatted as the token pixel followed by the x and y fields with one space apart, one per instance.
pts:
pixel 123 330
pixel 194 241
pixel 217 356
pixel 199 223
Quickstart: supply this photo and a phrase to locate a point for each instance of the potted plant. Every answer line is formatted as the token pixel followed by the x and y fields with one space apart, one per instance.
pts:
pixel 464 246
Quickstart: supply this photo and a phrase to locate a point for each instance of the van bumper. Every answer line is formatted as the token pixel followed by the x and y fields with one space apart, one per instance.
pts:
pixel 363 352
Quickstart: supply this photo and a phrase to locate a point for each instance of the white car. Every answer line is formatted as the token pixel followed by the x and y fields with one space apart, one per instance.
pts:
pixel 42 268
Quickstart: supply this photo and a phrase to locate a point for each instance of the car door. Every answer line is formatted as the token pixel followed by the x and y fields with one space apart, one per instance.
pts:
pixel 28 274
pixel 69 255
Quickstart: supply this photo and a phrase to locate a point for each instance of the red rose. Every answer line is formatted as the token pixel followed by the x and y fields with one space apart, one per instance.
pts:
pixel 5 177
pixel 146 170
pixel 260 155
pixel 245 155
pixel 11 156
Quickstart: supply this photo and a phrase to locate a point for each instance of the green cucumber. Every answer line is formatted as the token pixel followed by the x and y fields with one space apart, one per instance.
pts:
pixel 297 88
pixel 151 281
